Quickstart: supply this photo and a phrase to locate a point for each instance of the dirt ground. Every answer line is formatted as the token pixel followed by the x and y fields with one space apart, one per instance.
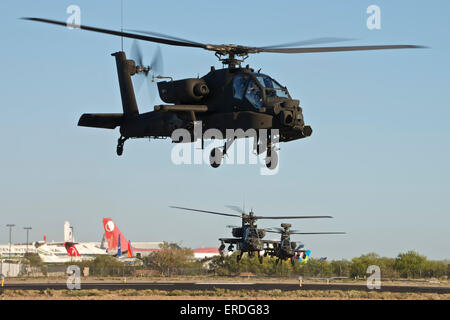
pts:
pixel 218 294
pixel 415 282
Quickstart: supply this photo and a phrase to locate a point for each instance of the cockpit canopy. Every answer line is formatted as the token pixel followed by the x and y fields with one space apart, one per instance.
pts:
pixel 272 87
pixel 255 87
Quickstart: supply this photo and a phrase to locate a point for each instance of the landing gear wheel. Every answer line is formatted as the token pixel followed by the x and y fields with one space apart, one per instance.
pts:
pixel 222 246
pixel 120 144
pixel 119 149
pixel 215 157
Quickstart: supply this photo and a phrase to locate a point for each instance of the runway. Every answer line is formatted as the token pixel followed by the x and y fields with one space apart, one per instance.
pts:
pixel 211 286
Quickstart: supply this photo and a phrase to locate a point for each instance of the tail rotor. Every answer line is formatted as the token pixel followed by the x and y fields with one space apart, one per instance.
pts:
pixel 148 73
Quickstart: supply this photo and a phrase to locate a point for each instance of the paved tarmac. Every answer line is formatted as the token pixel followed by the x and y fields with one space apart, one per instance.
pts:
pixel 210 286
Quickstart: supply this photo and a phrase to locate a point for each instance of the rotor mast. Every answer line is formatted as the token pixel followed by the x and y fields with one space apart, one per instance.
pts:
pixel 231 59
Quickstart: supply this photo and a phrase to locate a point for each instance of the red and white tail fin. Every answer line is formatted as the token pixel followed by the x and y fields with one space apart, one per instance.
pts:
pixel 112 235
pixel 71 250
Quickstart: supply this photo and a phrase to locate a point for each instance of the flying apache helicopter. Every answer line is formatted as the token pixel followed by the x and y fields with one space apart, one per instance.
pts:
pixel 285 248
pixel 234 97
pixel 247 238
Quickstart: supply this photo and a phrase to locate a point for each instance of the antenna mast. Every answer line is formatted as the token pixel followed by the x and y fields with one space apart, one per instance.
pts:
pixel 121 22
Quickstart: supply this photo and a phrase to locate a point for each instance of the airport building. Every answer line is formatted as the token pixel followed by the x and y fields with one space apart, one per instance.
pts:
pixel 113 243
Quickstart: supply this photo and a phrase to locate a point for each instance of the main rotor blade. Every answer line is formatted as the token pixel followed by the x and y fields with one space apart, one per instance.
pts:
pixel 205 211
pixel 336 49
pixel 294 217
pixel 276 229
pixel 165 36
pixel 306 42
pixel 318 232
pixel 121 34
pixel 235 208
pixel 224 49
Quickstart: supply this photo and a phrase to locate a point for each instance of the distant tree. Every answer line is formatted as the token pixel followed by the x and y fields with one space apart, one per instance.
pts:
pixel 410 264
pixel 340 268
pixel 170 258
pixel 33 259
pixel 360 264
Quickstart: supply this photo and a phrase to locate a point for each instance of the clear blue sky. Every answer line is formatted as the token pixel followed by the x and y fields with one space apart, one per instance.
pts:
pixel 378 160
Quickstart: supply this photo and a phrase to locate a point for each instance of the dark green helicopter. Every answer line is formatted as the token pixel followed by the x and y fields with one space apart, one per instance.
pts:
pixel 234 97
pixel 285 248
pixel 247 238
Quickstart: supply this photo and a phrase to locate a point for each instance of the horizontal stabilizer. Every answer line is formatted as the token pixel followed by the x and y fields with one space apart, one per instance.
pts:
pixel 101 120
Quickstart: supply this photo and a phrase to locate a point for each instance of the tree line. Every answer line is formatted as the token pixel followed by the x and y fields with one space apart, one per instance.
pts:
pixel 172 260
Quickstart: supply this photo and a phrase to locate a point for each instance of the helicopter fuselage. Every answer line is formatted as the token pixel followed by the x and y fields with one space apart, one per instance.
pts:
pixel 228 98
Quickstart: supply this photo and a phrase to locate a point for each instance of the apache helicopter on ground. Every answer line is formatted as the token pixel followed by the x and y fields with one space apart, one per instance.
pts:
pixel 247 238
pixel 285 248
pixel 234 97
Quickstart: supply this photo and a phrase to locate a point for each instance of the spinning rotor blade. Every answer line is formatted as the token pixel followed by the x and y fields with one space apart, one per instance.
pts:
pixel 204 211
pixel 121 34
pixel 165 36
pixel 156 66
pixel 306 42
pixel 318 232
pixel 226 49
pixel 294 217
pixel 274 230
pixel 235 208
pixel 336 49
pixel 136 53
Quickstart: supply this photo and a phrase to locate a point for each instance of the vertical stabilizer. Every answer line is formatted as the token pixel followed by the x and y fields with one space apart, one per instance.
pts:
pixel 71 249
pixel 113 235
pixel 130 250
pixel 125 69
pixel 68 232
pixel 119 248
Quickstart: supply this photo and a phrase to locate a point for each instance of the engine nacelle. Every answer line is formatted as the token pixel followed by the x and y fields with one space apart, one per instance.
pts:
pixel 184 91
